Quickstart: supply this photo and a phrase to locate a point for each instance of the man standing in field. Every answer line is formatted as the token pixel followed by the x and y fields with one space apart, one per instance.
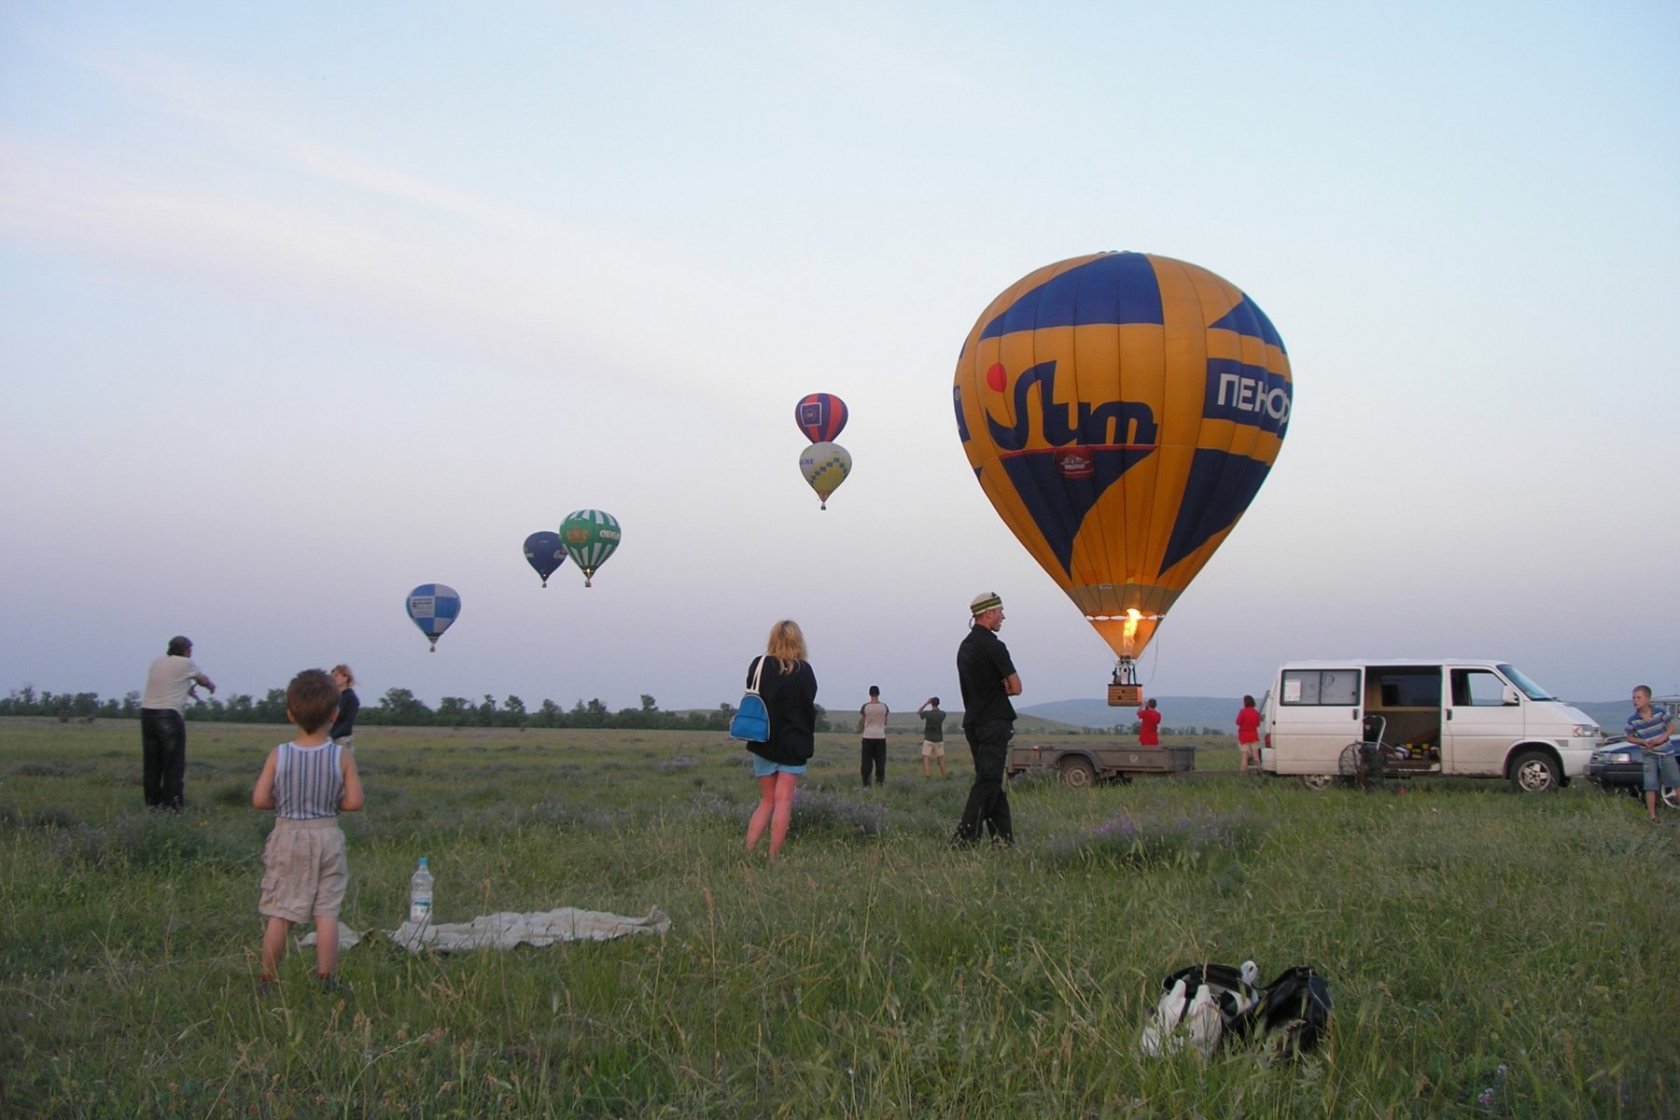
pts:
pixel 1149 725
pixel 988 679
pixel 163 730
pixel 1647 729
pixel 874 715
pixel 933 736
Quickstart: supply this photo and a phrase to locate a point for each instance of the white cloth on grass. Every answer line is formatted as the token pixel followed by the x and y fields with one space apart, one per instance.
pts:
pixel 506 929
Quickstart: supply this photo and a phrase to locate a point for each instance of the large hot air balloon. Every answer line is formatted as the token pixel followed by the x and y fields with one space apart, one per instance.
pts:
pixel 590 537
pixel 545 552
pixel 825 466
pixel 821 416
pixel 433 607
pixel 1121 411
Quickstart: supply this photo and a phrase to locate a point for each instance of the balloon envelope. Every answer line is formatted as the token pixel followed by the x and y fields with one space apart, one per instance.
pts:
pixel 544 552
pixel 1121 410
pixel 590 536
pixel 434 608
pixel 825 466
pixel 821 416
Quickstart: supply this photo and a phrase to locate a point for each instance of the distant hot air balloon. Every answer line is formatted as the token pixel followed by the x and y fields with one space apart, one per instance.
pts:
pixel 1121 410
pixel 590 537
pixel 825 466
pixel 545 552
pixel 433 607
pixel 821 416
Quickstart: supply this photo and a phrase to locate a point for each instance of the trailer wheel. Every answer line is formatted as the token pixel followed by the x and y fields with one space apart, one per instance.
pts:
pixel 1318 781
pixel 1078 773
pixel 1534 771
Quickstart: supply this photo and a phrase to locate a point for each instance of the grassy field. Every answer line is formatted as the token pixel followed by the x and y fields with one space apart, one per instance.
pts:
pixel 1489 954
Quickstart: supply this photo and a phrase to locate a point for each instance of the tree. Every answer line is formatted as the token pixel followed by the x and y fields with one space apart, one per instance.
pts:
pixel 453 711
pixel 399 708
pixel 513 712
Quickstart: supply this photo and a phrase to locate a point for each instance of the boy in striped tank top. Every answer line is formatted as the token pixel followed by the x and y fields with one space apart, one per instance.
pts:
pixel 307 782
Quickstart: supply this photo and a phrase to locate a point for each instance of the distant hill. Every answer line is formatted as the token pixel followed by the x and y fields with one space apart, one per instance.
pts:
pixel 1190 713
pixel 1181 713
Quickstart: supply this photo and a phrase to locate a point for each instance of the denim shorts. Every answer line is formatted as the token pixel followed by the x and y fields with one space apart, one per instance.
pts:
pixel 1669 767
pixel 763 768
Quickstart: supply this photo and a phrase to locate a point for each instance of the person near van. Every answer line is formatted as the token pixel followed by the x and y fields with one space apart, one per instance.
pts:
pixel 1647 729
pixel 933 737
pixel 988 679
pixel 874 715
pixel 1149 724
pixel 1248 733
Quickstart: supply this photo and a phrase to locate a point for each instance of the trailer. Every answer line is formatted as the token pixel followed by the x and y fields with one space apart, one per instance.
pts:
pixel 1083 765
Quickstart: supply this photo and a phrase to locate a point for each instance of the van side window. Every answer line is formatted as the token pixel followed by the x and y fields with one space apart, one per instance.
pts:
pixel 1320 687
pixel 1477 688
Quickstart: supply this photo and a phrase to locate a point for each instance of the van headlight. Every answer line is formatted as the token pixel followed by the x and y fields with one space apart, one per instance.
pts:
pixel 1586 731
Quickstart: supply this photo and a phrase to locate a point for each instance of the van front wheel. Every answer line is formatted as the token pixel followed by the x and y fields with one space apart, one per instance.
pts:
pixel 1535 771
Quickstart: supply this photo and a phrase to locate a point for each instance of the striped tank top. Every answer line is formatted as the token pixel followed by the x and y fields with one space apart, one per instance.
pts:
pixel 307 782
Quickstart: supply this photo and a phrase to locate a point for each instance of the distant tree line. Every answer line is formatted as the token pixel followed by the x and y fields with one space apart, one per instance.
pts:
pixel 397 708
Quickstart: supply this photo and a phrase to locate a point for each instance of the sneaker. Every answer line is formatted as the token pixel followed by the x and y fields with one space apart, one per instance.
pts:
pixel 334 986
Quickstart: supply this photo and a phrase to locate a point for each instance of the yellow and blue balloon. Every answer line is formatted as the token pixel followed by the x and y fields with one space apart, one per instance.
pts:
pixel 1121 410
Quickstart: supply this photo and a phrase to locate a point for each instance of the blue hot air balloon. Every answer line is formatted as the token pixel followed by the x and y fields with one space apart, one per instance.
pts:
pixel 545 552
pixel 433 607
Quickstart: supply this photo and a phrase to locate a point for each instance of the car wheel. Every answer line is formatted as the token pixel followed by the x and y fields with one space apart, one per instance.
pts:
pixel 1671 796
pixel 1078 773
pixel 1534 771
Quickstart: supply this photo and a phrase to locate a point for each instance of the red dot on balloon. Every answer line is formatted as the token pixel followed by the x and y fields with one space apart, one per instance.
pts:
pixel 995 377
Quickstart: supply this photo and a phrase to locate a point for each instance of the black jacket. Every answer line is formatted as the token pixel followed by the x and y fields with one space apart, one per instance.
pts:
pixel 791 700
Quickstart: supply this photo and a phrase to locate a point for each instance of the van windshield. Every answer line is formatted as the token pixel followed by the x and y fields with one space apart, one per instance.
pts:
pixel 1529 688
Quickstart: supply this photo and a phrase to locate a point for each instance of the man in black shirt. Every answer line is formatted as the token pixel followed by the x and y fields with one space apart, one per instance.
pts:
pixel 988 679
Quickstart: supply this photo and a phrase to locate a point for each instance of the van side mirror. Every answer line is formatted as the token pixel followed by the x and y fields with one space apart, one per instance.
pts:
pixel 1511 697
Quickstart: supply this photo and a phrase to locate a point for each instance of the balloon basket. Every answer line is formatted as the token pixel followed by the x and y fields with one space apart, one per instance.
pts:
pixel 1125 695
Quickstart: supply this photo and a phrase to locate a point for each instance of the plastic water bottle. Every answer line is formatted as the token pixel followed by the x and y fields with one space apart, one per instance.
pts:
pixel 420 895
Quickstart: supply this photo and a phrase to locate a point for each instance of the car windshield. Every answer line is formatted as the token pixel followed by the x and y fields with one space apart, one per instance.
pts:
pixel 1529 688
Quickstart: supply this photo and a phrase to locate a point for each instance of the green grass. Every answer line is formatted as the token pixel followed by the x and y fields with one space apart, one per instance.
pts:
pixel 874 972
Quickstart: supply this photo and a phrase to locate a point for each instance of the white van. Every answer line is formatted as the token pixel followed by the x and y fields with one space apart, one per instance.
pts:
pixel 1477 718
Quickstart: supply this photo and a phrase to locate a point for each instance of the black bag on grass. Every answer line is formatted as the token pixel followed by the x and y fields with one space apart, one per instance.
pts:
pixel 1295 1008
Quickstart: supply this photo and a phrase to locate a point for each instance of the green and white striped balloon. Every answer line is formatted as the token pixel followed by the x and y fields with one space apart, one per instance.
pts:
pixel 590 536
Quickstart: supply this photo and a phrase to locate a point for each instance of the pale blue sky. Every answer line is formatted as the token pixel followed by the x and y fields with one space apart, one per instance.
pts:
pixel 303 305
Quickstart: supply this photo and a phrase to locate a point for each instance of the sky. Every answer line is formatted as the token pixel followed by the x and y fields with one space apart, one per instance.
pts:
pixel 304 305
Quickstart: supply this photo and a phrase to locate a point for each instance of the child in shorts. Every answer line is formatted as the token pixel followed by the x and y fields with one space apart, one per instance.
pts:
pixel 307 782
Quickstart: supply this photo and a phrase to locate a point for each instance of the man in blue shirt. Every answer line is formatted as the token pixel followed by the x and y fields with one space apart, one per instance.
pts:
pixel 1647 729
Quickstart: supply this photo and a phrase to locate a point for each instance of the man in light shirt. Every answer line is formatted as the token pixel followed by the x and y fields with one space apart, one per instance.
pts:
pixel 163 730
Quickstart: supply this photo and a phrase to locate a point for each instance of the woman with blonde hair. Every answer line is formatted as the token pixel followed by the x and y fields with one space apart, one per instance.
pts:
pixel 789 690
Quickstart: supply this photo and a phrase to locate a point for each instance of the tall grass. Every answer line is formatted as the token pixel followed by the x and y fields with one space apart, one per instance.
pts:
pixel 1489 954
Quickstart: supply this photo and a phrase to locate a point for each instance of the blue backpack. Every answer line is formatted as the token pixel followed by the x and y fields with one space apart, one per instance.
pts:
pixel 751 722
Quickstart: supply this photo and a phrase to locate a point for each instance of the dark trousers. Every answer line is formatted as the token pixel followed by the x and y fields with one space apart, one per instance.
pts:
pixel 988 803
pixel 163 753
pixel 875 758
